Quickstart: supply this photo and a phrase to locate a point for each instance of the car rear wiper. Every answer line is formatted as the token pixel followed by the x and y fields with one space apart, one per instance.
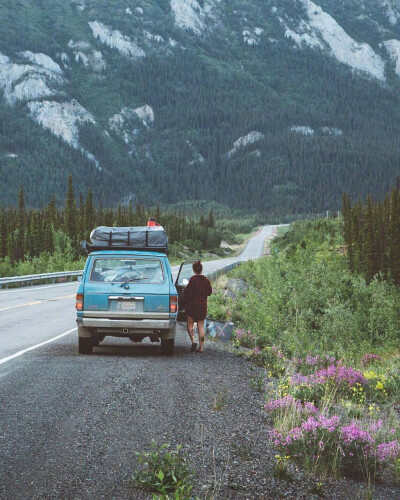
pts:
pixel 133 279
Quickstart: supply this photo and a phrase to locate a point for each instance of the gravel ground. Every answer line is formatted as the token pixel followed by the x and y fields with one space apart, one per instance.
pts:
pixel 70 424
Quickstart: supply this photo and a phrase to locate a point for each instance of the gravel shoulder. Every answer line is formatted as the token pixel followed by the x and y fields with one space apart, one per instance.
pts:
pixel 70 424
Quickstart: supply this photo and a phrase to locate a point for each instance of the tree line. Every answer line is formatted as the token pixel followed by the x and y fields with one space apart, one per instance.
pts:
pixel 372 235
pixel 27 233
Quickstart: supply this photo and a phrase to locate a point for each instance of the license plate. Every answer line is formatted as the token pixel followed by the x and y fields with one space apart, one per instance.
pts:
pixel 126 306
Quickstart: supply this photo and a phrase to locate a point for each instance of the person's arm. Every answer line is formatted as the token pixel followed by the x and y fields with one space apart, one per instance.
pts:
pixel 209 289
pixel 187 294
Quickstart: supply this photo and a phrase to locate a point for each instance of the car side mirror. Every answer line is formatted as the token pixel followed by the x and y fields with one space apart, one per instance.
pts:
pixel 79 278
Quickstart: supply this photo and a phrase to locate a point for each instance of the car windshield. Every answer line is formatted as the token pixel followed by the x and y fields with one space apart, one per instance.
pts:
pixel 119 270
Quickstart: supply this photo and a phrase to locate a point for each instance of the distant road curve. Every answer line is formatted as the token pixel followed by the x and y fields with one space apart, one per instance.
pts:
pixel 34 316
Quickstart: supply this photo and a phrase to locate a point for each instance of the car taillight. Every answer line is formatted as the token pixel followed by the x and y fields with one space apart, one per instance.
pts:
pixel 173 304
pixel 79 302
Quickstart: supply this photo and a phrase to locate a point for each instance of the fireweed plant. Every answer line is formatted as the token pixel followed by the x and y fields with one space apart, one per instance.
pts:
pixel 329 342
pixel 335 420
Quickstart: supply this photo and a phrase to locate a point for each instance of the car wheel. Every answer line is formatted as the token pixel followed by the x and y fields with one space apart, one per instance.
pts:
pixel 85 345
pixel 96 339
pixel 167 346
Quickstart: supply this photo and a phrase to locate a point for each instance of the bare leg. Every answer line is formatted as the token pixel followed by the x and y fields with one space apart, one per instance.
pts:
pixel 202 334
pixel 190 326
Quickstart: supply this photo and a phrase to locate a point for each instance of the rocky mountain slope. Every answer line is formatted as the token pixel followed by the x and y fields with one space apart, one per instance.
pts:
pixel 273 105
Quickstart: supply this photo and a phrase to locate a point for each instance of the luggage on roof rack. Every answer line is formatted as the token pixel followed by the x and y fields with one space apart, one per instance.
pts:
pixel 153 239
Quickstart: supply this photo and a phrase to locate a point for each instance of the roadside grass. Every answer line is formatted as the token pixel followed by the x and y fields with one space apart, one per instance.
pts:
pixel 220 401
pixel 179 253
pixel 164 472
pixel 329 343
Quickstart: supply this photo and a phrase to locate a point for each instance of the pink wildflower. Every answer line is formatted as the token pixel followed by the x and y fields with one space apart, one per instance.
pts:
pixel 354 433
pixel 388 451
pixel 376 425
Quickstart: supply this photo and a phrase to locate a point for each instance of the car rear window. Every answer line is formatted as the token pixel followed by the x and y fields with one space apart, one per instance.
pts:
pixel 119 270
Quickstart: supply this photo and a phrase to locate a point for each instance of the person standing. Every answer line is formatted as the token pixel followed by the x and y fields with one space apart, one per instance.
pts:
pixel 152 222
pixel 195 301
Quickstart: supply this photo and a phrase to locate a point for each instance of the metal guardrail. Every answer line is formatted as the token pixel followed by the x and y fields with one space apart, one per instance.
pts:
pixel 223 270
pixel 30 278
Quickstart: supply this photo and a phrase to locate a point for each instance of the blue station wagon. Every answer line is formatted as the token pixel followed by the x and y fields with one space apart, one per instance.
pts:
pixel 127 293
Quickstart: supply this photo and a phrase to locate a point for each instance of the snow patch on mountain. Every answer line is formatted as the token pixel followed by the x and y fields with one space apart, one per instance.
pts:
pixel 80 5
pixel 84 54
pixel 393 49
pixel 93 60
pixel 116 40
pixel 62 119
pixel 42 60
pixel 190 15
pixel 249 139
pixel 63 57
pixel 310 39
pixel 198 159
pixel 252 37
pixel 301 129
pixel 321 30
pixel 153 38
pixel 125 122
pixel 309 131
pixel 27 81
pixel 334 131
pixel 79 45
pixel 391 11
pixel 146 114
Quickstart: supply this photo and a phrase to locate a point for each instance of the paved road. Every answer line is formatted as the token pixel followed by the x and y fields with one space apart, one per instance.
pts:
pixel 70 424
pixel 33 315
pixel 61 428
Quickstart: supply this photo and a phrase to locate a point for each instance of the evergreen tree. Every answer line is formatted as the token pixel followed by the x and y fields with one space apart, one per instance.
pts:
pixel 81 219
pixel 89 214
pixel 210 219
pixel 70 214
pixel 394 236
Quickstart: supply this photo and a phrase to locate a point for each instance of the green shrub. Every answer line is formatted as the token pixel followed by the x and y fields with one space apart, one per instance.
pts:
pixel 164 471
pixel 304 299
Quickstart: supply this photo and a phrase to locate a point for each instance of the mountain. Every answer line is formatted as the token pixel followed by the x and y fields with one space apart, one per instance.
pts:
pixel 269 105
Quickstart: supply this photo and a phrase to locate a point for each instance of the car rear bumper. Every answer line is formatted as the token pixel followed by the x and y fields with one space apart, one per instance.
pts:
pixel 132 324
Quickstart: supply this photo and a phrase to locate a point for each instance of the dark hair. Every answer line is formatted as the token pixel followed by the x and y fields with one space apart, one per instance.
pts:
pixel 151 218
pixel 197 267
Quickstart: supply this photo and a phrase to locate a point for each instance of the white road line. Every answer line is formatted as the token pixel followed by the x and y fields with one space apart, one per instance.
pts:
pixel 24 351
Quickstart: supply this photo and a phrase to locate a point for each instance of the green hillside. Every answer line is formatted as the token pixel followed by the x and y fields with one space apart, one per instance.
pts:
pixel 208 86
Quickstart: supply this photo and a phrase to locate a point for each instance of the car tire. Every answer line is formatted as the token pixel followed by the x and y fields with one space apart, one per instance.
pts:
pixel 85 345
pixel 96 339
pixel 167 346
